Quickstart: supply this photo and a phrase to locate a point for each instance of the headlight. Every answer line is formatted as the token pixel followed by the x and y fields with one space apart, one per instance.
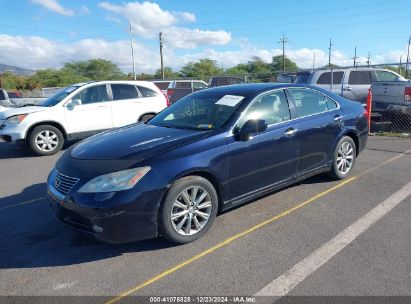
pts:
pixel 117 181
pixel 15 120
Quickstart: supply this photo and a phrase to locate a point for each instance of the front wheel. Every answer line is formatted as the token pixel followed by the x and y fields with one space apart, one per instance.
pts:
pixel 344 158
pixel 189 210
pixel 45 140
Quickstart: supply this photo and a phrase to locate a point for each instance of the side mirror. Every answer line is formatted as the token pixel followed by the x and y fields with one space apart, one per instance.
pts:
pixel 75 102
pixel 252 126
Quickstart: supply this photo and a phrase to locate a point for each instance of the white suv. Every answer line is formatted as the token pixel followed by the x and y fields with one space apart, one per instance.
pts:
pixel 81 110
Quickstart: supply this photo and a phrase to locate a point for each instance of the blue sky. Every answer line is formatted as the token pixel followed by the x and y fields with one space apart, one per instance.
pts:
pixel 47 33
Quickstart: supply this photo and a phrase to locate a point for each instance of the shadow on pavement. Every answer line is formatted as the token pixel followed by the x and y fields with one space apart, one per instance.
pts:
pixel 32 237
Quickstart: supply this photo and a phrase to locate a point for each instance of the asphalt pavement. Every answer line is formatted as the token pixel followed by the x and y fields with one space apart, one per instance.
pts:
pixel 247 248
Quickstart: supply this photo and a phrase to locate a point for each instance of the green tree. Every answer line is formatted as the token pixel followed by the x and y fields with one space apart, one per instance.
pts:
pixel 168 73
pixel 55 78
pixel 201 69
pixel 258 66
pixel 277 64
pixel 239 69
pixel 96 69
pixel 332 65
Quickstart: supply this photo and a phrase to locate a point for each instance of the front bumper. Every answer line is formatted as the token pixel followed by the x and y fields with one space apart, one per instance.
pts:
pixel 121 223
pixel 12 133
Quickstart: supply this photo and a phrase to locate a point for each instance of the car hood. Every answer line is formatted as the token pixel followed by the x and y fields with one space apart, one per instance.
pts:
pixel 135 142
pixel 18 111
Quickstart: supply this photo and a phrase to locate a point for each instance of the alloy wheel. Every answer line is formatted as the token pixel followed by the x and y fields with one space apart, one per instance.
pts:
pixel 46 141
pixel 345 158
pixel 191 210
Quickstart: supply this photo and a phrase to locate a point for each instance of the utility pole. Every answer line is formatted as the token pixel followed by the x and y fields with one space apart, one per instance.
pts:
pixel 400 64
pixel 408 58
pixel 132 49
pixel 329 53
pixel 314 61
pixel 355 57
pixel 283 41
pixel 368 59
pixel 161 54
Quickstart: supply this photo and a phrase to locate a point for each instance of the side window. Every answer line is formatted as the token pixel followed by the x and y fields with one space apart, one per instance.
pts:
pixel 92 94
pixel 359 77
pixel 309 102
pixel 271 107
pixel 146 92
pixel 2 95
pixel 385 76
pixel 199 85
pixel 183 84
pixel 325 78
pixel 124 91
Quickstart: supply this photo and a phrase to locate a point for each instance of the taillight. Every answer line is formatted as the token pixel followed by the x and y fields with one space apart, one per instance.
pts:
pixel 167 100
pixel 169 93
pixel 407 94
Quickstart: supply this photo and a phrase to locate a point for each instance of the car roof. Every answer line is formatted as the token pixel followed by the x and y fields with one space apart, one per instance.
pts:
pixel 253 88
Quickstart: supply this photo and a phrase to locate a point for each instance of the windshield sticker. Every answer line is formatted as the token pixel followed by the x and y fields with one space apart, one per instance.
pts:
pixel 205 126
pixel 230 100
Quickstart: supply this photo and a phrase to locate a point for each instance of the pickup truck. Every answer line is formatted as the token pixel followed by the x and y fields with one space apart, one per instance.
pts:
pixel 392 100
pixel 7 102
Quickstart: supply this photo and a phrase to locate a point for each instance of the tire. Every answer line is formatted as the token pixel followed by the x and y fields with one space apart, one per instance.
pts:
pixel 175 230
pixel 145 117
pixel 41 144
pixel 343 159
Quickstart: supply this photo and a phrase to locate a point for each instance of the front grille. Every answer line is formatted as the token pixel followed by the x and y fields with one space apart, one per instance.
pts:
pixel 64 183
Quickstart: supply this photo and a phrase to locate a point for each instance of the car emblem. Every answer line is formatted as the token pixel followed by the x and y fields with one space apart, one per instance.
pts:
pixel 57 182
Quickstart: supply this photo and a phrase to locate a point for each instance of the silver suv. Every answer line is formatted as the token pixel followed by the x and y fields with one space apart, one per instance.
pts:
pixel 351 83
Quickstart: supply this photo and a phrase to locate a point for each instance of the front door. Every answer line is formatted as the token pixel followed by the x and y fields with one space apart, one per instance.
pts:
pixel 92 115
pixel 268 157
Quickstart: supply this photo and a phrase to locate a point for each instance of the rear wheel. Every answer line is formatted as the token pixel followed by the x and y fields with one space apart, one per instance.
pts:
pixel 344 158
pixel 45 140
pixel 189 210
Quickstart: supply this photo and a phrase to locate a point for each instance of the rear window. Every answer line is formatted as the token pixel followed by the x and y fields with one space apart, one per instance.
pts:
pixel 146 92
pixel 162 85
pixel 325 78
pixel 124 91
pixel 302 78
pixel 359 77
pixel 385 76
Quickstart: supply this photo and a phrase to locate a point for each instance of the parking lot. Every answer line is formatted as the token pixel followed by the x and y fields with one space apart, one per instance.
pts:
pixel 246 249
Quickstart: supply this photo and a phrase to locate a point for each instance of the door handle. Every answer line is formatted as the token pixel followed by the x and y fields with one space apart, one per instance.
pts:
pixel 338 118
pixel 291 132
pixel 348 89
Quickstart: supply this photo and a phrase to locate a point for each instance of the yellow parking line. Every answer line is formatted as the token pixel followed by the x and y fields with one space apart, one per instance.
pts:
pixel 24 203
pixel 228 241
pixel 246 232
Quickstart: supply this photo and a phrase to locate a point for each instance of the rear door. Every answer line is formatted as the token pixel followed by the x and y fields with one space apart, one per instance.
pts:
pixel 326 78
pixel 357 85
pixel 319 121
pixel 127 105
pixel 93 114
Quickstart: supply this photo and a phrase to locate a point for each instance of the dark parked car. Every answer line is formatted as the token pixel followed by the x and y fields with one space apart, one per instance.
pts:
pixel 210 151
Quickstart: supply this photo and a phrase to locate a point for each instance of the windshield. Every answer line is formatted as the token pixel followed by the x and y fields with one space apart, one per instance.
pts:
pixel 302 78
pixel 201 111
pixel 59 96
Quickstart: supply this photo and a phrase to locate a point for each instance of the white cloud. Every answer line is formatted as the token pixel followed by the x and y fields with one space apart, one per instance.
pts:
pixel 38 53
pixel 55 6
pixel 148 19
pixel 85 10
pixel 184 38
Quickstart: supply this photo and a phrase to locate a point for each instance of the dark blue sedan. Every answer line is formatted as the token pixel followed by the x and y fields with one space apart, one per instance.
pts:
pixel 208 152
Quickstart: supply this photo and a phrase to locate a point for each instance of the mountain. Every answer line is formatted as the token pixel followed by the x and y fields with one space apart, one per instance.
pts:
pixel 15 70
